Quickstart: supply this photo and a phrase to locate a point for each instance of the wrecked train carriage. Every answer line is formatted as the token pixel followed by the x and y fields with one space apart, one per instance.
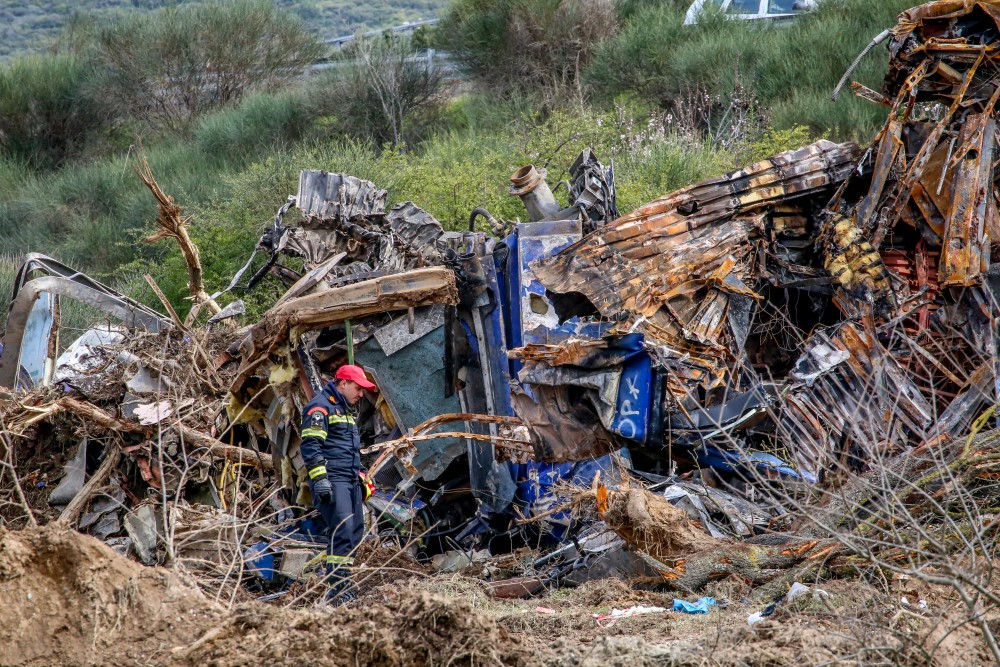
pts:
pixel 431 358
pixel 704 278
pixel 865 324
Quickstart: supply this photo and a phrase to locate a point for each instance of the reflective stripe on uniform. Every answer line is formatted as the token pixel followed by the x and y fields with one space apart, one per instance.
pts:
pixel 317 471
pixel 339 560
pixel 344 419
pixel 313 433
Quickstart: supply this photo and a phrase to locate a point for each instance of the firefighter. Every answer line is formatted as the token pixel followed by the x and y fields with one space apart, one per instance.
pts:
pixel 331 447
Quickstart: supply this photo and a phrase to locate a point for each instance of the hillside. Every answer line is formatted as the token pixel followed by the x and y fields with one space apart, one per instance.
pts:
pixel 27 27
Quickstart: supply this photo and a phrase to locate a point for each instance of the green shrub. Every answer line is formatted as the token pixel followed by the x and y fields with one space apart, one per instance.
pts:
pixel 170 66
pixel 264 121
pixel 381 91
pixel 45 113
pixel 537 46
pixel 790 68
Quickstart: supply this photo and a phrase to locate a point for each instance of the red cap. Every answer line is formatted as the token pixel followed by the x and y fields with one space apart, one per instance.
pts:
pixel 354 374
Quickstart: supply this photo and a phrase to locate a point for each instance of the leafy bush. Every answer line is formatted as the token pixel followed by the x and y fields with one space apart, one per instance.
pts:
pixel 45 114
pixel 172 65
pixel 263 121
pixel 383 92
pixel 537 46
pixel 791 69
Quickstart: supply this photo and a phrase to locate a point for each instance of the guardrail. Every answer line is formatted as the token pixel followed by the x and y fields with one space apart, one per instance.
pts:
pixel 406 27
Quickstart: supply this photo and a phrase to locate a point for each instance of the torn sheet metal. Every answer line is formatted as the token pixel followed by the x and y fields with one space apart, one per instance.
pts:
pixel 344 214
pixel 476 344
pixel 30 342
pixel 722 514
pixel 600 387
pixel 633 264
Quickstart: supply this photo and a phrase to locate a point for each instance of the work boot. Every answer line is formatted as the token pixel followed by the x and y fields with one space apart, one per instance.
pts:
pixel 336 598
pixel 341 589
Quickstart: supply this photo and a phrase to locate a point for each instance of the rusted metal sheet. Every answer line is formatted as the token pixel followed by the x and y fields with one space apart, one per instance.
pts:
pixel 846 387
pixel 422 287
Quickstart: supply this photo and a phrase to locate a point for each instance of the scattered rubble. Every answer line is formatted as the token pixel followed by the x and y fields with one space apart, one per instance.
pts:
pixel 724 383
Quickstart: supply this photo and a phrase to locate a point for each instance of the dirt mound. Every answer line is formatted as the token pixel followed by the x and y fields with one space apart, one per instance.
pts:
pixel 67 599
pixel 651 524
pixel 414 629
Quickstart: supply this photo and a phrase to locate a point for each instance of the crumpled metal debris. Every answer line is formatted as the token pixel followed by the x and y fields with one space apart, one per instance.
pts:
pixel 854 292
pixel 811 312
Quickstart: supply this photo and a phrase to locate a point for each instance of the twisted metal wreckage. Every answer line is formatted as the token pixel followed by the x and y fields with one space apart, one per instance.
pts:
pixel 803 314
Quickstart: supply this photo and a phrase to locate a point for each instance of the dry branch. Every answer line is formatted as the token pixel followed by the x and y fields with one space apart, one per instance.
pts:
pixel 173 225
pixel 112 456
pixel 193 436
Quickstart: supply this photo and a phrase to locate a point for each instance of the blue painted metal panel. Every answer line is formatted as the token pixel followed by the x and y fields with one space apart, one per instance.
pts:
pixel 536 316
pixel 508 272
pixel 634 404
pixel 722 459
pixel 491 482
pixel 536 487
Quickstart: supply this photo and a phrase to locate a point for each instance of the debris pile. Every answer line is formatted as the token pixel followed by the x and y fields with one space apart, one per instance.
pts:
pixel 668 394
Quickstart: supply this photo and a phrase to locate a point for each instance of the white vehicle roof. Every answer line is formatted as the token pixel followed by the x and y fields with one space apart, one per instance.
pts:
pixel 748 10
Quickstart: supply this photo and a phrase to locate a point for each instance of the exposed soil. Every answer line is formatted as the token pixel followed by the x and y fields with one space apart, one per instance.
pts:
pixel 66 599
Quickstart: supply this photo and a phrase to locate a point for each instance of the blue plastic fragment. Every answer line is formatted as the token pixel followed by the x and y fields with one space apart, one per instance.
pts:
pixel 259 559
pixel 699 607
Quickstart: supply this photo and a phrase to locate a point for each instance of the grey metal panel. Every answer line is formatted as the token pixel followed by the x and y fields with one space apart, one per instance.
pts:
pixel 412 381
pixel 62 280
pixel 396 335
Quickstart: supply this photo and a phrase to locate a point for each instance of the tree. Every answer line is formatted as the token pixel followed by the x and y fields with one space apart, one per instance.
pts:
pixel 534 46
pixel 168 67
pixel 381 92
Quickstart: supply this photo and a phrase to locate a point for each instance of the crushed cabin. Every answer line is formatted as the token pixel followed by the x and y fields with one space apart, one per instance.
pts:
pixel 782 323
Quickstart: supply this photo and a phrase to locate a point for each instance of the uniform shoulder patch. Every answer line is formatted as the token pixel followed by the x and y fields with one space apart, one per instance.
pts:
pixel 317 408
pixel 317 419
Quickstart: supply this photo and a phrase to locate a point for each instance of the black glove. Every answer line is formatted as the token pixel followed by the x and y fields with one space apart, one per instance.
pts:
pixel 323 490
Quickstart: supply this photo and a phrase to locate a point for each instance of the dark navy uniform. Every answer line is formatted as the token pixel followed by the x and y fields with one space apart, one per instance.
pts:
pixel 331 447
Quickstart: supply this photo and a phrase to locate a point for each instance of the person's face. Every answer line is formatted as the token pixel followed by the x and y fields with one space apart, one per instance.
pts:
pixel 351 391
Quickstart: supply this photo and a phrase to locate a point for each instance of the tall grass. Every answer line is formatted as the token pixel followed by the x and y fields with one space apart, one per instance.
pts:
pixel 46 113
pixel 791 68
pixel 92 215
pixel 264 121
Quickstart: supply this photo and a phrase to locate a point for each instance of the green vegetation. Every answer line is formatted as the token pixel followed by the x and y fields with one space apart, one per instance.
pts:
pixel 535 46
pixel 670 104
pixel 29 27
pixel 168 67
pixel 790 70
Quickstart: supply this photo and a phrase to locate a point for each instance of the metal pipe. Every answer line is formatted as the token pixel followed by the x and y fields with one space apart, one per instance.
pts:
pixel 529 184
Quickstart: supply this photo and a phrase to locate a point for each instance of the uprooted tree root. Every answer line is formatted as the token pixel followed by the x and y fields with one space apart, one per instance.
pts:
pixel 688 559
pixel 929 514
